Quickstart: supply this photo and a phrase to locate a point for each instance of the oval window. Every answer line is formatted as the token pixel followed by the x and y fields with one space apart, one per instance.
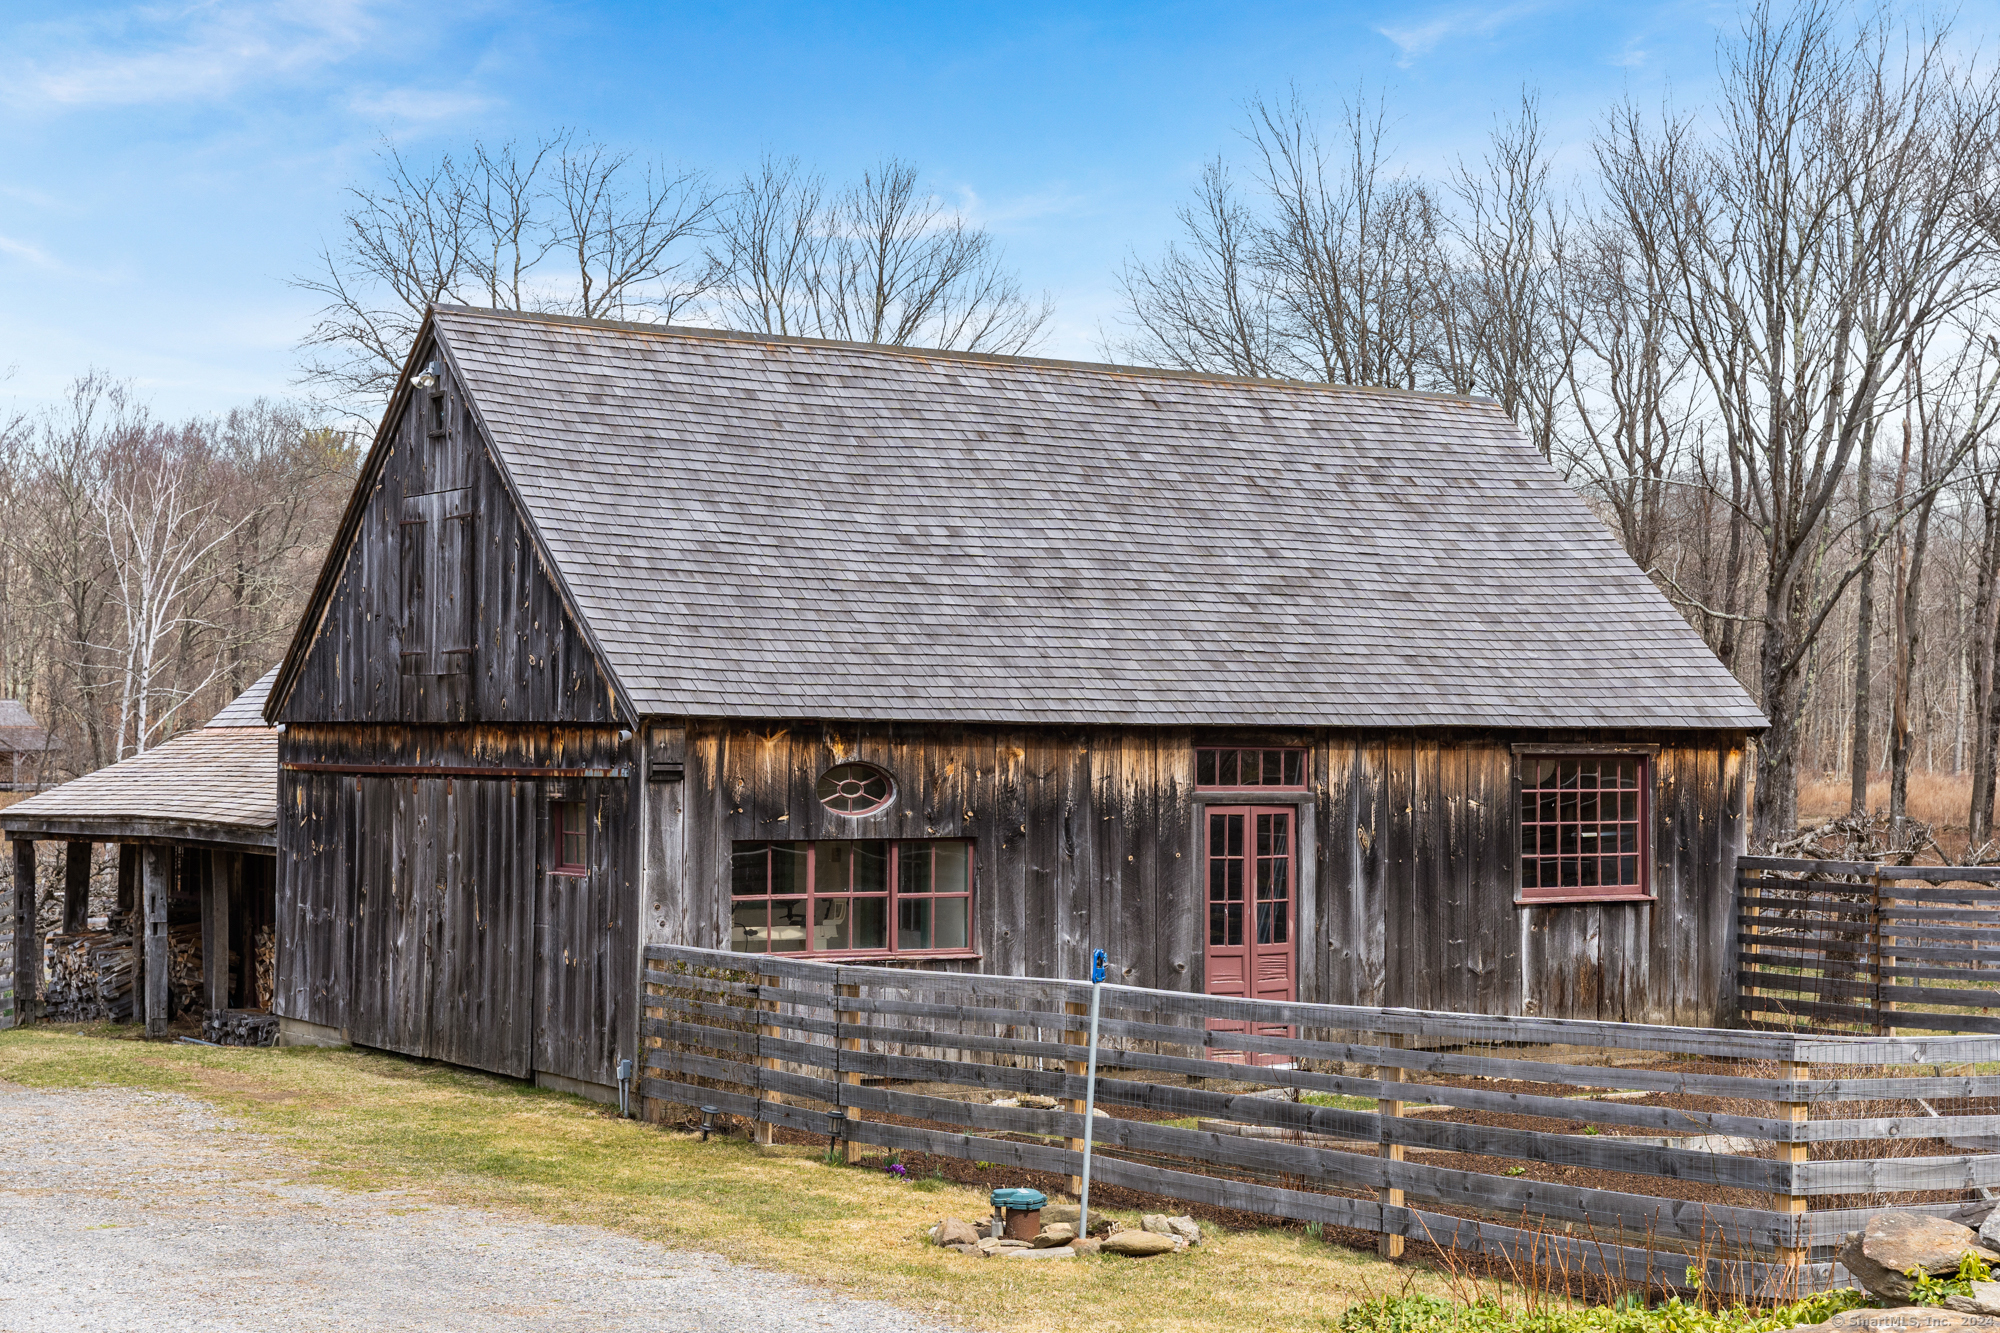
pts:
pixel 855 789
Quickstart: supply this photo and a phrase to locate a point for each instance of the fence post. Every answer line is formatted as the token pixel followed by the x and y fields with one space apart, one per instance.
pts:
pixel 1077 1069
pixel 764 1127
pixel 852 1077
pixel 1752 945
pixel 1390 1243
pixel 1884 964
pixel 1793 1257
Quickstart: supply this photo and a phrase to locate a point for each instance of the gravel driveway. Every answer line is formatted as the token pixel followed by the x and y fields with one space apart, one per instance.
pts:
pixel 147 1211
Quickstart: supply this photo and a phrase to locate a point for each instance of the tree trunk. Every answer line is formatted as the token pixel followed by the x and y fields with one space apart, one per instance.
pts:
pixel 1979 819
pixel 1909 576
pixel 1774 813
pixel 1864 634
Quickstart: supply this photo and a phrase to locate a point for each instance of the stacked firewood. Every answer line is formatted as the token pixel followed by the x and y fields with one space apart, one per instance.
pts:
pixel 89 977
pixel 267 965
pixel 240 1027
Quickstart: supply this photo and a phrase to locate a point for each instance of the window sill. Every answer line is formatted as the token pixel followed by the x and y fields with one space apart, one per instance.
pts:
pixel 873 956
pixel 1586 898
pixel 571 872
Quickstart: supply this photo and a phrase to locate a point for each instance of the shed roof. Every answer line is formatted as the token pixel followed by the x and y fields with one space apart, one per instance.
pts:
pixel 215 785
pixel 19 732
pixel 780 527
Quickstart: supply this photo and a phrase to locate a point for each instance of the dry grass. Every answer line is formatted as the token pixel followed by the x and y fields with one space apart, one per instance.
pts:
pixel 374 1121
pixel 1939 799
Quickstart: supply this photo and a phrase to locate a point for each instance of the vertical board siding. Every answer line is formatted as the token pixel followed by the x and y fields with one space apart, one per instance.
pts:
pixel 1407 852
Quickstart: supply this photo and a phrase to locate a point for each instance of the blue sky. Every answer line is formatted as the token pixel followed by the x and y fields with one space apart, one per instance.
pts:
pixel 165 167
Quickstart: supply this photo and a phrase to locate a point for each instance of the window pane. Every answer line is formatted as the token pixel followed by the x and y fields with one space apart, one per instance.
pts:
pixel 913 924
pixel 833 868
pixel 1226 775
pixel 871 867
pixel 788 867
pixel 871 923
pixel 830 923
pixel 573 849
pixel 913 868
pixel 788 925
pixel 1295 768
pixel 953 862
pixel 1204 768
pixel 749 928
pixel 749 870
pixel 1273 768
pixel 953 923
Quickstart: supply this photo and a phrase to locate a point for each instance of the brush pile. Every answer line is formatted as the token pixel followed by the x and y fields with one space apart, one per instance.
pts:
pixel 240 1027
pixel 90 977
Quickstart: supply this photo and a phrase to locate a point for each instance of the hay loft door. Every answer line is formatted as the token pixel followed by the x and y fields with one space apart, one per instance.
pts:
pixel 1252 876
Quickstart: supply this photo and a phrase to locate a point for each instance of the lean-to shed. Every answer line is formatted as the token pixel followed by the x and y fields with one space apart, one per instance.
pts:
pixel 638 634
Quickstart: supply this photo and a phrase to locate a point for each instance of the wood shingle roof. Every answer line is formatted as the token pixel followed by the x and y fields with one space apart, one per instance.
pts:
pixel 766 527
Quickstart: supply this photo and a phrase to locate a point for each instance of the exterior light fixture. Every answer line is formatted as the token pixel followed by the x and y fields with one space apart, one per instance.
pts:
pixel 427 378
pixel 707 1122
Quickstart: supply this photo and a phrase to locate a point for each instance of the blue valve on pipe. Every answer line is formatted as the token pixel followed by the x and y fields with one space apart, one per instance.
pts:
pixel 1097 967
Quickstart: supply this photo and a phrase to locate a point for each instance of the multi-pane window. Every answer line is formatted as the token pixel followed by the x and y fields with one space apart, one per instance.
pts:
pixel 1249 877
pixel 572 831
pixel 1228 768
pixel 862 896
pixel 1583 826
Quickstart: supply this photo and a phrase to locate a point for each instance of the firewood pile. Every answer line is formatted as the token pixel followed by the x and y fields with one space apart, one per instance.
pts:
pixel 90 977
pixel 240 1027
pixel 267 966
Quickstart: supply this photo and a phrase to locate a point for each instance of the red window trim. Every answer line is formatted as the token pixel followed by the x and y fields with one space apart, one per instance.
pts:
pixel 559 812
pixel 892 897
pixel 1558 895
pixel 1287 753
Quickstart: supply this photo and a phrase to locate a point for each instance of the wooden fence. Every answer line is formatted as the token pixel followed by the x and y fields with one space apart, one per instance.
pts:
pixel 1630 1150
pixel 1827 945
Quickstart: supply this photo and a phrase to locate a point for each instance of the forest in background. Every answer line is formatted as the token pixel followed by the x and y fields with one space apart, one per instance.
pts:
pixel 1760 335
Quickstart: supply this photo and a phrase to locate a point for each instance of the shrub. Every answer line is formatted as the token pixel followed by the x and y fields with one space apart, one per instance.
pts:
pixel 1430 1314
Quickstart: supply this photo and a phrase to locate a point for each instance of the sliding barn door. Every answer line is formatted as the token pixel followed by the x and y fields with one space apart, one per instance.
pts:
pixel 1252 951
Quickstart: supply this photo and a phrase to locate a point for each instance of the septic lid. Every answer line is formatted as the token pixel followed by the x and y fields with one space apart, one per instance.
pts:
pixel 1024 1199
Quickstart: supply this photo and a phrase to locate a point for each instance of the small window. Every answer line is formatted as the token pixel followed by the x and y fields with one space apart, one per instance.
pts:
pixel 1583 827
pixel 572 832
pixel 855 789
pixel 1233 768
pixel 851 897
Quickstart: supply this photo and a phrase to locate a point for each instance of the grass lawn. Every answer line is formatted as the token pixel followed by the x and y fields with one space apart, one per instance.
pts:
pixel 371 1121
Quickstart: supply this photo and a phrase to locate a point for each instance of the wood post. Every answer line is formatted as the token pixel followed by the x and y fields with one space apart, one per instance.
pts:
pixel 218 888
pixel 1752 944
pixel 27 943
pixel 76 888
pixel 850 1018
pixel 1076 1069
pixel 1390 1243
pixel 157 876
pixel 1885 963
pixel 762 1132
pixel 1792 1204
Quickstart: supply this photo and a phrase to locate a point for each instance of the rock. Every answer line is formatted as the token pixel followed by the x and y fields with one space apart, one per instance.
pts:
pixel 1184 1227
pixel 1060 1212
pixel 993 1245
pixel 1065 1252
pixel 1037 1102
pixel 1985 1299
pixel 1881 1255
pixel 955 1233
pixel 1061 1233
pixel 1156 1222
pixel 1086 1246
pixel 1989 1230
pixel 1139 1244
pixel 963 1249
pixel 1910 1319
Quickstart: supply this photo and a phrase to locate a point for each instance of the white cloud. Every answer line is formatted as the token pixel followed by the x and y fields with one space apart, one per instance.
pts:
pixel 22 250
pixel 190 53
pixel 420 104
pixel 1421 39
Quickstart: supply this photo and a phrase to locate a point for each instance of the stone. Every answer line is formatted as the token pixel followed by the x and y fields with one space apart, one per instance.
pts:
pixel 1989 1230
pixel 993 1245
pixel 1038 1103
pixel 1184 1227
pixel 1909 1319
pixel 1139 1244
pixel 1985 1299
pixel 1064 1252
pixel 951 1232
pixel 1156 1222
pixel 1060 1212
pixel 1086 1246
pixel 1882 1254
pixel 1060 1233
pixel 963 1249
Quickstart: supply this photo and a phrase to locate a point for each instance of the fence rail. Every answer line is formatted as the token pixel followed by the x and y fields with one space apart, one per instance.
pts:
pixel 1873 948
pixel 1626 1149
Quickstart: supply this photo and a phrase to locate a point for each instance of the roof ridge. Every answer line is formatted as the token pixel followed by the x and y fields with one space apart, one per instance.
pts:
pixel 938 353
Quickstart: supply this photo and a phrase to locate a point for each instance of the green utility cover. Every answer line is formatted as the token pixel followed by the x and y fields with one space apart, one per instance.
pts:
pixel 1022 1199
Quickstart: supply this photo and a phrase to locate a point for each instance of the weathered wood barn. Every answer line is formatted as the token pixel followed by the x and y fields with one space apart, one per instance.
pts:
pixel 634 634
pixel 195 824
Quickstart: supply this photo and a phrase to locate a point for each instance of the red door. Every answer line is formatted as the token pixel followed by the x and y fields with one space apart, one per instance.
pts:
pixel 1251 889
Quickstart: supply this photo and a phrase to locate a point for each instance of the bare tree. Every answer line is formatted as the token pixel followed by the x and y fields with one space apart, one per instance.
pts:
pixel 1830 221
pixel 1204 304
pixel 881 261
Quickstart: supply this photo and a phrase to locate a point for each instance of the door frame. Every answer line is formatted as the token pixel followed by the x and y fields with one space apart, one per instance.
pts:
pixel 1305 882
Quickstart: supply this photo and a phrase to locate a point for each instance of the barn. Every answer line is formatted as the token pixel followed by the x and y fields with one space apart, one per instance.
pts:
pixel 640 635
